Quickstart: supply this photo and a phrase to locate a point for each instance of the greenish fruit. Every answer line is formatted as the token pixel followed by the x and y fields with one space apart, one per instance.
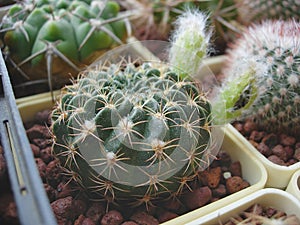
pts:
pixel 132 132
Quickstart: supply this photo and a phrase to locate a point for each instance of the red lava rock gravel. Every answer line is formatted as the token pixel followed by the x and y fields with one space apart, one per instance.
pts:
pixel 71 206
pixel 279 148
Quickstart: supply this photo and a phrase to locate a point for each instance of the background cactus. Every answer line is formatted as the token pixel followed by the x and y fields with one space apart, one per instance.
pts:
pixel 45 38
pixel 133 132
pixel 153 19
pixel 256 11
pixel 263 78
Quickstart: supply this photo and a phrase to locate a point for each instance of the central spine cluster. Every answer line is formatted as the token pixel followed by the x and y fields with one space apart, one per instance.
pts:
pixel 133 132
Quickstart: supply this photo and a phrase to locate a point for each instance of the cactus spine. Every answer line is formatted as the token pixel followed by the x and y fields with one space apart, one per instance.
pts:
pixel 263 77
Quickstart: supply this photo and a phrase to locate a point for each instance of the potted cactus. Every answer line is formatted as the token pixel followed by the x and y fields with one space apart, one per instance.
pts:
pixel 46 42
pixel 147 119
pixel 262 85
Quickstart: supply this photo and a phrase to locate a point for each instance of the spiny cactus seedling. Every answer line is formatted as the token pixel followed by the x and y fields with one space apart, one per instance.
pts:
pixel 132 132
pixel 263 76
pixel 49 37
pixel 258 10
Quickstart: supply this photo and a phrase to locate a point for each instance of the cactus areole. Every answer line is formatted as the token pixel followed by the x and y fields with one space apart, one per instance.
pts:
pixel 133 132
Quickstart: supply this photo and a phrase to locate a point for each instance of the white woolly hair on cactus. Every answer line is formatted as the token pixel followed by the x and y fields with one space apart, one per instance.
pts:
pixel 263 76
pixel 190 41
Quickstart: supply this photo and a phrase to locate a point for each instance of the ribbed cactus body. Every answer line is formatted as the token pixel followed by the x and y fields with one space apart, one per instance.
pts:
pixel 258 10
pixel 46 36
pixel 132 132
pixel 263 76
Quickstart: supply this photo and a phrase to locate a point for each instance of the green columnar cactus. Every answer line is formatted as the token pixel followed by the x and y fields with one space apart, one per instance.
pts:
pixel 132 132
pixel 263 77
pixel 258 10
pixel 46 37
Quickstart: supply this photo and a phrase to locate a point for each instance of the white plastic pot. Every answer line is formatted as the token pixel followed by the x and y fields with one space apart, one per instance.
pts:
pixel 294 185
pixel 279 199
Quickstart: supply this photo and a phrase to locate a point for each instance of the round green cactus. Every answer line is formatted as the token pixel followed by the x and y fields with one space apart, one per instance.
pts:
pixel 135 132
pixel 263 76
pixel 258 10
pixel 49 37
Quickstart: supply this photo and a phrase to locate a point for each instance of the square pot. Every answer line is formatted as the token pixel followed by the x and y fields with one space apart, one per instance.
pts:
pixel 276 198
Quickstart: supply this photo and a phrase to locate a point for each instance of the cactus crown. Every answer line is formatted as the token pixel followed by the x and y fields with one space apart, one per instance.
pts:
pixel 132 131
pixel 271 51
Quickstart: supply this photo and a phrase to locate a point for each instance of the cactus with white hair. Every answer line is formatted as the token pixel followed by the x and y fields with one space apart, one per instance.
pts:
pixel 263 76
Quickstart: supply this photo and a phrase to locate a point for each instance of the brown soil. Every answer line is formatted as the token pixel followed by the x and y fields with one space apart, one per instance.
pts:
pixel 279 148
